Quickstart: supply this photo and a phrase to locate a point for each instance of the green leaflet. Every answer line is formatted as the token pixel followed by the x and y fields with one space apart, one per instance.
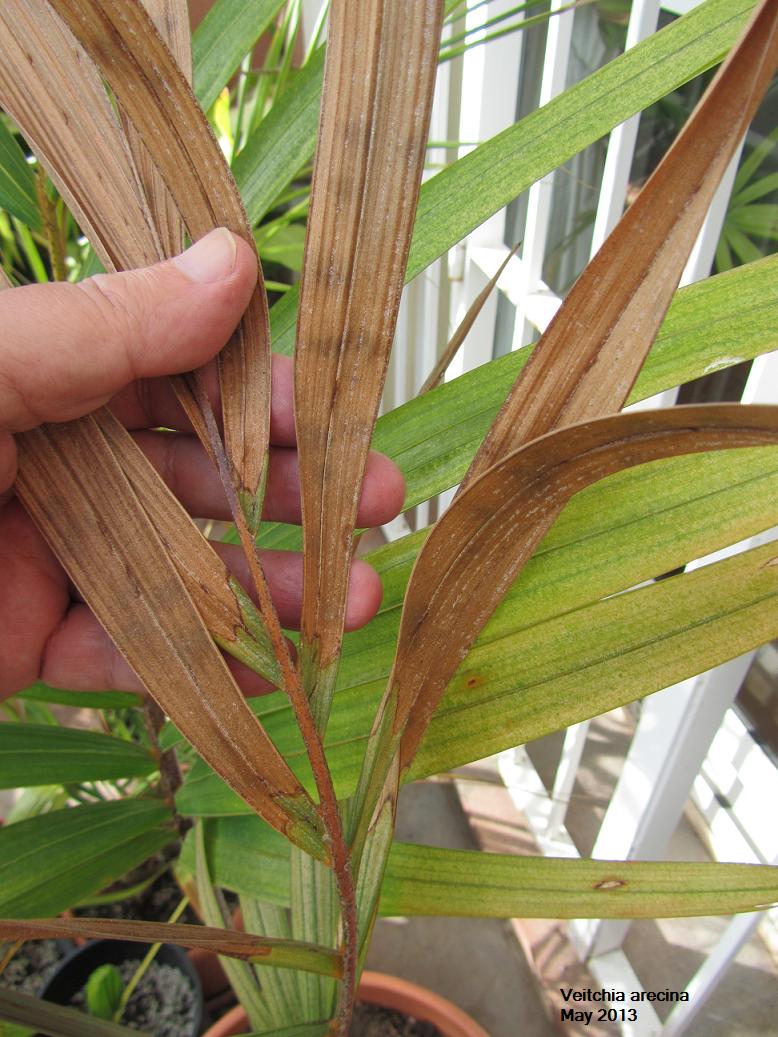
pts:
pixel 240 974
pixel 283 142
pixel 462 196
pixel 233 847
pixel 283 322
pixel 423 880
pixel 713 324
pixel 472 189
pixel 43 754
pixel 614 535
pixel 40 692
pixel 710 325
pixel 17 181
pixel 51 862
pixel 244 856
pixel 665 633
pixel 306 1030
pixel 225 35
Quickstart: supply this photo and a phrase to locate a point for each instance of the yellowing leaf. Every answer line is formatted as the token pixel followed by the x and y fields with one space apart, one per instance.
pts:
pixel 481 543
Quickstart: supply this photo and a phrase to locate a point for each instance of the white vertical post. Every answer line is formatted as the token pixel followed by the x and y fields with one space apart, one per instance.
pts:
pixel 701 259
pixel 703 982
pixel 762 382
pixel 490 82
pixel 564 779
pixel 485 112
pixel 676 728
pixel 309 17
pixel 621 144
pixel 560 32
pixel 396 389
pixel 419 336
pixel 431 319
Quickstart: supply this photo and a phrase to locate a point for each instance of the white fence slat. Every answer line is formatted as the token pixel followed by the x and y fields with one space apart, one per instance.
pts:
pixel 621 145
pixel 566 772
pixel 675 730
pixel 703 982
pixel 560 33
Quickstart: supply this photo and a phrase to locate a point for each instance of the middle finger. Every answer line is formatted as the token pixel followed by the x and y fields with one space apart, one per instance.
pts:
pixel 152 403
pixel 184 466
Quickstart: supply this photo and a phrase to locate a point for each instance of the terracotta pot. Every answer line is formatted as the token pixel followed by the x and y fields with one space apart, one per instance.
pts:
pixel 213 978
pixel 389 992
pixel 233 1022
pixel 206 964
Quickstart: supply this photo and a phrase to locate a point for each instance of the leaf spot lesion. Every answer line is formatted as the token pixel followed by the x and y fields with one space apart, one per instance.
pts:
pixel 611 882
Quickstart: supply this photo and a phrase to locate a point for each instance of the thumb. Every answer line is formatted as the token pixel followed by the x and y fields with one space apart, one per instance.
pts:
pixel 68 348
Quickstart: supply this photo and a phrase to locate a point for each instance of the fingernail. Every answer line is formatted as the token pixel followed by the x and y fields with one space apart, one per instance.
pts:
pixel 209 259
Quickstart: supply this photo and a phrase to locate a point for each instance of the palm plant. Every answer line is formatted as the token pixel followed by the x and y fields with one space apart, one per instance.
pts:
pixel 497 626
pixel 751 225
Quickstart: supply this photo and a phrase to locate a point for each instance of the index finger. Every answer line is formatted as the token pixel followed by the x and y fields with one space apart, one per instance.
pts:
pixel 152 403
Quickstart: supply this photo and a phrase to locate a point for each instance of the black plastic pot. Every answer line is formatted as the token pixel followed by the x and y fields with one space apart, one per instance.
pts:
pixel 27 969
pixel 73 973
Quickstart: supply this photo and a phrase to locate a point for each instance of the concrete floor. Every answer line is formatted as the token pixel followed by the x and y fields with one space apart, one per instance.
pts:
pixel 667 952
pixel 476 963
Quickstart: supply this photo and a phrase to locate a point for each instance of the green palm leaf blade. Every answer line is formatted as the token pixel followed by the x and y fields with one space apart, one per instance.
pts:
pixel 51 862
pixel 282 143
pixel 17 181
pixel 42 754
pixel 424 880
pixel 469 191
pixel 227 32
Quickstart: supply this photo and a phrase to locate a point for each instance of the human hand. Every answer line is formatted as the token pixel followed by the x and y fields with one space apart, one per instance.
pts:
pixel 68 349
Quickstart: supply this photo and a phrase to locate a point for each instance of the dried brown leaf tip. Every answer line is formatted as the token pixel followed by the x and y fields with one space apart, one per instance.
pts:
pixel 46 76
pixel 262 950
pixel 378 84
pixel 74 488
pixel 436 375
pixel 171 19
pixel 158 101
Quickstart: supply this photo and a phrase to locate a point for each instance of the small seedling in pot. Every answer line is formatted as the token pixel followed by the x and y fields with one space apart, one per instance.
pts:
pixel 104 990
